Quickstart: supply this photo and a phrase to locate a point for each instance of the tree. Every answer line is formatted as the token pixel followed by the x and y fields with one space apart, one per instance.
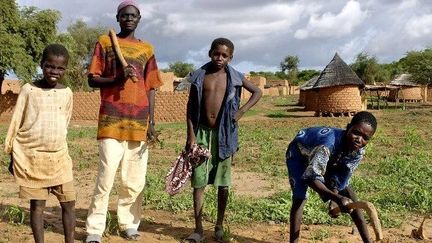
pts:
pixel 24 33
pixel 290 65
pixel 180 69
pixel 419 65
pixel 305 75
pixel 366 67
pixel 80 41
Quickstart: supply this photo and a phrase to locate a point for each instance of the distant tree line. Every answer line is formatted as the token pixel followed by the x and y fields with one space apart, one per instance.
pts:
pixel 416 63
pixel 24 32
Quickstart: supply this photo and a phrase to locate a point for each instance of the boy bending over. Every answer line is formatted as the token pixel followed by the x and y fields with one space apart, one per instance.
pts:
pixel 324 158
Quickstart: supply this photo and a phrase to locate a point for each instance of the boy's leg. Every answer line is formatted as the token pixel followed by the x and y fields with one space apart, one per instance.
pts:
pixel 198 198
pixel 223 193
pixel 133 177
pixel 111 153
pixel 296 219
pixel 68 218
pixel 296 166
pixel 36 219
pixel 357 215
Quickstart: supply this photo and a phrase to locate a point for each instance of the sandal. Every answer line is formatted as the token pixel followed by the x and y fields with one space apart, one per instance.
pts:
pixel 130 234
pixel 92 238
pixel 219 234
pixel 195 238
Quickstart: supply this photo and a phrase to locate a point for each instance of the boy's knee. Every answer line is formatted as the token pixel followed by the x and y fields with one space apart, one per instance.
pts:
pixel 68 205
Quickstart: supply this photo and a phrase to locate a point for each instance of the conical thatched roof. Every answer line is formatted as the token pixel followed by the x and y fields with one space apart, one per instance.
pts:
pixel 309 84
pixel 336 73
pixel 403 80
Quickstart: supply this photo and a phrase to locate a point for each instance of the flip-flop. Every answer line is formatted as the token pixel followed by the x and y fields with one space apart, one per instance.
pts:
pixel 219 234
pixel 92 238
pixel 195 238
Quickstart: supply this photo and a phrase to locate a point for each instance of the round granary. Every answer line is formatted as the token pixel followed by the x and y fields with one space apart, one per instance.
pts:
pixel 339 99
pixel 337 89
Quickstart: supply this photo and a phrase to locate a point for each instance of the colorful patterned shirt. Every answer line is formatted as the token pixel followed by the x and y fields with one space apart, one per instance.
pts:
pixel 124 109
pixel 322 148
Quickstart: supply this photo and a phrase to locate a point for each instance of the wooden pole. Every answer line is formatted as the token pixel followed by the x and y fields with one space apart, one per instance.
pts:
pixel 118 52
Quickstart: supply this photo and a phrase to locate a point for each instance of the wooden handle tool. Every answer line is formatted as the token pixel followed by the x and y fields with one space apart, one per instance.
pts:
pixel 372 213
pixel 118 52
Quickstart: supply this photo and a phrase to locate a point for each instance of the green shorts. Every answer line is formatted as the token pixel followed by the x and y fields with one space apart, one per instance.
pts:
pixel 214 170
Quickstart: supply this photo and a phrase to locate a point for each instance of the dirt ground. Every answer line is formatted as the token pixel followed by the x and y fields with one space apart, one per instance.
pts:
pixel 162 226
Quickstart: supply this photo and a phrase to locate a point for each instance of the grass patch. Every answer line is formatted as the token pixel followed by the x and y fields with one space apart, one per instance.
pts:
pixel 395 174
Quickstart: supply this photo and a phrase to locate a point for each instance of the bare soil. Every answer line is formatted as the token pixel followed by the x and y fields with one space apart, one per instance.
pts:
pixel 162 226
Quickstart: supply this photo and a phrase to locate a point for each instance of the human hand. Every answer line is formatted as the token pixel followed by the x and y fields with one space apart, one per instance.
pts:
pixel 189 143
pixel 238 115
pixel 152 136
pixel 10 168
pixel 343 203
pixel 332 212
pixel 129 71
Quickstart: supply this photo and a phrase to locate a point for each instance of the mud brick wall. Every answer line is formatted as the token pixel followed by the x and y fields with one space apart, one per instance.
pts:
pixel 429 93
pixel 85 105
pixel 294 90
pixel 407 93
pixel 302 98
pixel 168 81
pixel 171 106
pixel 258 81
pixel 273 91
pixel 311 100
pixel 7 104
pixel 339 99
pixel 411 93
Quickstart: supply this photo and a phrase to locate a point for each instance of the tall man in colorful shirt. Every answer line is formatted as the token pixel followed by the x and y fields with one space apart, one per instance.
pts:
pixel 125 122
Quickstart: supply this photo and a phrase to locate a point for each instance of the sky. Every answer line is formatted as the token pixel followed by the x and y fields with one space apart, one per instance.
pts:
pixel 264 32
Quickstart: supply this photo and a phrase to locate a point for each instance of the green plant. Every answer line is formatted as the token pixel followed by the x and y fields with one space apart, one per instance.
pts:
pixel 14 214
pixel 111 225
pixel 320 235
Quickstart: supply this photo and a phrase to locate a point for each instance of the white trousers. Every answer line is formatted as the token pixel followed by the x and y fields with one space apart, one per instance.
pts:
pixel 133 157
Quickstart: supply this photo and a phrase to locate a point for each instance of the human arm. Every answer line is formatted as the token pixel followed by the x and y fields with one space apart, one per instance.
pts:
pixel 17 120
pixel 151 132
pixel 256 95
pixel 190 133
pixel 96 81
pixel 314 176
pixel 69 107
pixel 153 81
pixel 98 76
pixel 325 192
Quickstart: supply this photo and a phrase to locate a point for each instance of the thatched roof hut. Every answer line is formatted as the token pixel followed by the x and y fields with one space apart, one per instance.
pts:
pixel 338 89
pixel 408 89
pixel 308 96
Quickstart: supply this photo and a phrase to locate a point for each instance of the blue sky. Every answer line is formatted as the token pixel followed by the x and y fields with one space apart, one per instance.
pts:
pixel 265 31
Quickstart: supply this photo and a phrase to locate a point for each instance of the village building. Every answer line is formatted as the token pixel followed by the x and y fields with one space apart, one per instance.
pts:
pixel 338 90
pixel 408 90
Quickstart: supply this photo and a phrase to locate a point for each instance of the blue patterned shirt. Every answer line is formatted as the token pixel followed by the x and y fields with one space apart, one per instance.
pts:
pixel 322 149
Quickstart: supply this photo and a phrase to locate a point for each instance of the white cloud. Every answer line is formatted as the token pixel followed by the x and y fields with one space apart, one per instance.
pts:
pixel 419 26
pixel 264 32
pixel 407 4
pixel 329 24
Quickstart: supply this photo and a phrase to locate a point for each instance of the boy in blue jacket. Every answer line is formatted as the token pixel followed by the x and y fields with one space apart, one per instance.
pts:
pixel 213 111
